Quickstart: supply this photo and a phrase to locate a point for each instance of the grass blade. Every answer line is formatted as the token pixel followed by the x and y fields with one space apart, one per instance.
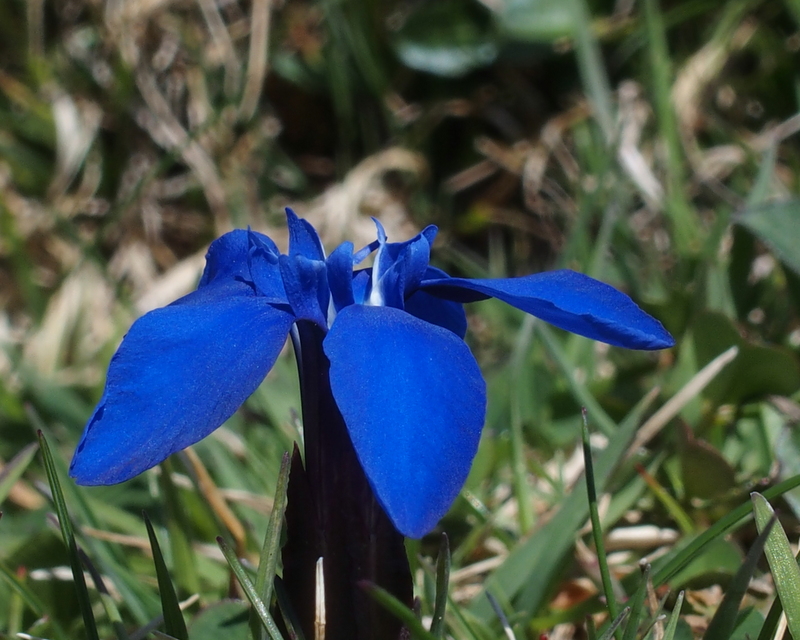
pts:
pixel 597 530
pixel 174 623
pixel 669 632
pixel 272 540
pixel 442 588
pixel 398 609
pixel 782 563
pixel 250 590
pixel 724 620
pixel 68 534
pixel 720 528
pixel 608 633
pixel 637 606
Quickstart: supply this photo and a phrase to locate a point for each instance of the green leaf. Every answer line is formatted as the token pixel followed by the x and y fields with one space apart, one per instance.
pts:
pixel 442 588
pixel 722 624
pixel 174 624
pixel 446 38
pixel 676 561
pixel 69 540
pixel 226 619
pixel 758 370
pixel 403 613
pixel 669 632
pixel 270 551
pixel 250 590
pixel 782 563
pixel 778 226
pixel 706 473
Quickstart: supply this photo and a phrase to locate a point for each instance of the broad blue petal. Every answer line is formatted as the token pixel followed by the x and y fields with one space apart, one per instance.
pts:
pixel 414 402
pixel 180 372
pixel 569 300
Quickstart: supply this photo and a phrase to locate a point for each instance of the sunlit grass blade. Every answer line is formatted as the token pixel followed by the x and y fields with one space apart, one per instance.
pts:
pixel 723 526
pixel 270 551
pixel 174 623
pixel 669 632
pixel 442 588
pixel 782 563
pixel 722 624
pixel 399 610
pixel 15 468
pixel 250 590
pixel 594 516
pixel 637 606
pixel 68 534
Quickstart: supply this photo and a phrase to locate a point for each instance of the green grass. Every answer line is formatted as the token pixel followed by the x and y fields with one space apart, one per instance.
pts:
pixel 655 149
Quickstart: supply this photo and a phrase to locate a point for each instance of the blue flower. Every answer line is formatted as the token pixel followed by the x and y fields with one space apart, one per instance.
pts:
pixel 408 388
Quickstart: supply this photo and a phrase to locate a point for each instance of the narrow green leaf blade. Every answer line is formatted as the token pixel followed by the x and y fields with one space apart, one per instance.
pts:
pixel 782 563
pixel 69 540
pixel 724 621
pixel 723 526
pixel 442 588
pixel 270 551
pixel 249 590
pixel 174 624
pixel 669 632
pixel 394 606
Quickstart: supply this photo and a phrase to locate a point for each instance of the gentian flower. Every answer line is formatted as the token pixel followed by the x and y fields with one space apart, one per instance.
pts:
pixel 410 392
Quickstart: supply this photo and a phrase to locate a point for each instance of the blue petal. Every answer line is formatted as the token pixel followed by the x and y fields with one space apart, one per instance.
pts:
pixel 306 285
pixel 303 238
pixel 399 267
pixel 228 257
pixel 265 273
pixel 180 372
pixel 340 275
pixel 414 402
pixel 569 300
pixel 438 311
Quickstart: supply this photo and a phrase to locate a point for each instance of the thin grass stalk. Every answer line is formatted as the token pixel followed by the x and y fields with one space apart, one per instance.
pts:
pixel 69 540
pixel 250 590
pixel 270 551
pixel 597 530
pixel 442 587
pixel 721 527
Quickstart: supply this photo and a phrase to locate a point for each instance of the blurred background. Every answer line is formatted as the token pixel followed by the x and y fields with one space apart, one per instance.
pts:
pixel 650 144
